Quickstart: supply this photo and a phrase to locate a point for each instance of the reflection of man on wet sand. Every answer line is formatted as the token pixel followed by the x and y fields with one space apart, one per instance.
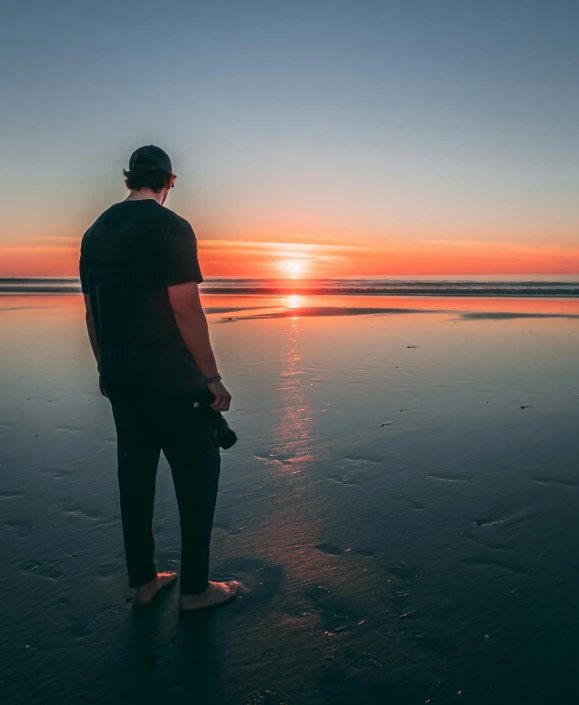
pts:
pixel 140 277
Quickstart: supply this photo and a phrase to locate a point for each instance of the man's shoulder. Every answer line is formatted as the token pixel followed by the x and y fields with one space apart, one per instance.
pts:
pixel 106 215
pixel 177 220
pixel 157 217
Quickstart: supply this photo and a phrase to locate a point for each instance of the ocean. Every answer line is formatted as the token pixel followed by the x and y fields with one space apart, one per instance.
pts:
pixel 401 508
pixel 552 286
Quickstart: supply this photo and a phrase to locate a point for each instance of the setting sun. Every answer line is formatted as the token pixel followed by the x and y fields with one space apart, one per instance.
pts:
pixel 293 267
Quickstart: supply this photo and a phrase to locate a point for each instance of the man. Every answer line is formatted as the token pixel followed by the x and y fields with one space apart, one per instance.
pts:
pixel 140 275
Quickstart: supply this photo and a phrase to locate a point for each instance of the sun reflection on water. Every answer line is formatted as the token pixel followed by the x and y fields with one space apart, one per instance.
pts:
pixel 294 431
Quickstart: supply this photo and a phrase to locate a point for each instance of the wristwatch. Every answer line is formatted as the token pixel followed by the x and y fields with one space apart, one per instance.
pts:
pixel 215 378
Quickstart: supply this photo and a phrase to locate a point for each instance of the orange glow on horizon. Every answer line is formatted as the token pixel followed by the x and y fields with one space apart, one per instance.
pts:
pixel 233 258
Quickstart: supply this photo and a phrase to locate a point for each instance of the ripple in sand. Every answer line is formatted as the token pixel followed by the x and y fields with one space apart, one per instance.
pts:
pixel 417 506
pixel 77 511
pixel 511 518
pixel 333 550
pixel 266 697
pixel 11 495
pixel 363 459
pixel 489 546
pixel 60 602
pixel 56 474
pixel 554 481
pixel 498 547
pixel 105 570
pixel 488 562
pixel 23 526
pixel 272 458
pixel 448 477
pixel 341 480
pixel 227 529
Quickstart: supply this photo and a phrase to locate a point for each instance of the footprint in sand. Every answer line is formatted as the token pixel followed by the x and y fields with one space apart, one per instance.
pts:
pixel 336 616
pixel 428 643
pixel 79 628
pixel 44 569
pixel 346 677
pixel 329 548
pixel 402 570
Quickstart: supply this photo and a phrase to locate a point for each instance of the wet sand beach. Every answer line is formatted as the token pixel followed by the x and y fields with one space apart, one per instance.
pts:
pixel 401 510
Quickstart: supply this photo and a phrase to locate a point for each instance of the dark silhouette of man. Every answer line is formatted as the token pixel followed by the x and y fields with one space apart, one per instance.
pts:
pixel 140 278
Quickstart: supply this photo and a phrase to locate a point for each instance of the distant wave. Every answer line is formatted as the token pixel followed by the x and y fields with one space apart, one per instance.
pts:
pixel 508 288
pixel 397 287
pixel 37 285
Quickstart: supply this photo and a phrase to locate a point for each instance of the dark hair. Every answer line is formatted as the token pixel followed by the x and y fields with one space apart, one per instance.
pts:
pixel 156 180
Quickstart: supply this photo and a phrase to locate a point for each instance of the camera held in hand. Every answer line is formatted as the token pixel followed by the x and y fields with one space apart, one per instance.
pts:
pixel 223 435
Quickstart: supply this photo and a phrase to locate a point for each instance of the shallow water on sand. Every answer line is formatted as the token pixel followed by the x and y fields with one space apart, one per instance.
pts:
pixel 401 509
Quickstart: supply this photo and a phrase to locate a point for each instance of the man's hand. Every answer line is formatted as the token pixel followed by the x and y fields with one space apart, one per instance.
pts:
pixel 222 396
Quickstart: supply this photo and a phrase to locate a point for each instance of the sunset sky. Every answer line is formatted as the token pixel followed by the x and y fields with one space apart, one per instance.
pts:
pixel 316 138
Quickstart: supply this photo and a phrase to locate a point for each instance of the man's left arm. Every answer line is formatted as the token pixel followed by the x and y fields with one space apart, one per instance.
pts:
pixel 92 335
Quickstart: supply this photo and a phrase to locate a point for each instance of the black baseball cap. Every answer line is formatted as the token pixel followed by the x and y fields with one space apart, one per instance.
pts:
pixel 150 157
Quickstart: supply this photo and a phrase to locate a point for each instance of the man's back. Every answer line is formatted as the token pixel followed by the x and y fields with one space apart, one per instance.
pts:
pixel 129 256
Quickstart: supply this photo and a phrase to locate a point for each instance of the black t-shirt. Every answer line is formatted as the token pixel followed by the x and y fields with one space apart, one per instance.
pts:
pixel 128 258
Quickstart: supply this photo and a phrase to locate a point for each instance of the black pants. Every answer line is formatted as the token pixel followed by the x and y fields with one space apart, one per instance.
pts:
pixel 147 424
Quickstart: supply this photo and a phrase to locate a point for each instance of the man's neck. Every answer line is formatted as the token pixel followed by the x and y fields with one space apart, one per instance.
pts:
pixel 145 194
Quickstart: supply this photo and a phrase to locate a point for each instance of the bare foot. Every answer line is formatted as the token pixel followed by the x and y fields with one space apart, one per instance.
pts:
pixel 216 594
pixel 145 593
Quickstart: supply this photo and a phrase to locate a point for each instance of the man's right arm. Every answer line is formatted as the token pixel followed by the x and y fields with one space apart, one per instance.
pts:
pixel 90 328
pixel 192 324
